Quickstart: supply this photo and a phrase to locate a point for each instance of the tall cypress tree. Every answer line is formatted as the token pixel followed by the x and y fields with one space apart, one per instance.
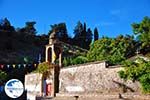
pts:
pixel 96 35
pixel 89 37
pixel 78 32
pixel 83 36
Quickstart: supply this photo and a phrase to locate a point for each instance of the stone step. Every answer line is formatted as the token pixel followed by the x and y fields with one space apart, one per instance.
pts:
pixel 119 96
pixel 86 97
pixel 44 98
pixel 97 97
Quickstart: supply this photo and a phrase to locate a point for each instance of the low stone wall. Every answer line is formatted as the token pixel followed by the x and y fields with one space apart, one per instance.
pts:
pixel 94 77
pixel 33 85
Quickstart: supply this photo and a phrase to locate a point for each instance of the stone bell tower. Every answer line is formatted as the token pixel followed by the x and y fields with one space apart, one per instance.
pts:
pixel 53 53
pixel 53 50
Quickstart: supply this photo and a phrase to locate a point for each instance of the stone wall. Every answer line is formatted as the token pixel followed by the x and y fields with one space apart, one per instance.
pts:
pixel 33 85
pixel 94 77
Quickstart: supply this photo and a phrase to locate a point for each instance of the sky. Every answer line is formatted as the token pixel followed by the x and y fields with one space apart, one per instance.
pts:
pixel 111 17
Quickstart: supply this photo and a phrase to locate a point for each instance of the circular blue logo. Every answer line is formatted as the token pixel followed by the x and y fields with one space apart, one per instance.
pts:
pixel 14 88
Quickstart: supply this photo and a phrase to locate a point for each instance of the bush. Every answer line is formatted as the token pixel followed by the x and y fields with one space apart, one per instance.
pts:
pixel 67 61
pixel 145 82
pixel 74 60
pixel 80 60
pixel 139 71
pixel 3 77
pixel 122 74
pixel 44 68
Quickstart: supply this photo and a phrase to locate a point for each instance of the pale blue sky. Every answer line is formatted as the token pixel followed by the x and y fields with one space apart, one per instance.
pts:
pixel 112 17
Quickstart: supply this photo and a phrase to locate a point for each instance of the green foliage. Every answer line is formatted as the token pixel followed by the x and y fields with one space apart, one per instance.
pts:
pixel 74 60
pixel 29 29
pixel 5 25
pixel 61 31
pixel 83 36
pixel 99 49
pixel 145 82
pixel 15 45
pixel 122 74
pixel 114 50
pixel 44 68
pixel 137 71
pixel 80 60
pixel 96 34
pixel 142 30
pixel 68 61
pixel 27 59
pixel 3 77
pixel 88 39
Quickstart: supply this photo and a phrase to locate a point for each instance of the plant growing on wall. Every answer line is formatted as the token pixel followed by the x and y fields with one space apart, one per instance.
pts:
pixel 44 68
pixel 137 71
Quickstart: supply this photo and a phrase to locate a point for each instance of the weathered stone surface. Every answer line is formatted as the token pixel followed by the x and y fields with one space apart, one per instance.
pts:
pixel 102 97
pixel 33 85
pixel 94 77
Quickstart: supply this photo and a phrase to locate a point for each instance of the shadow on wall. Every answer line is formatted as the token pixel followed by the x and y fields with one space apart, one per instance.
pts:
pixel 124 87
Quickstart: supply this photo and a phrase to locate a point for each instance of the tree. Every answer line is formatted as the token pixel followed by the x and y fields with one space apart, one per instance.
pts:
pixel 100 50
pixel 96 34
pixel 142 31
pixel 61 31
pixel 7 34
pixel 5 22
pixel 6 25
pixel 126 44
pixel 78 31
pixel 113 50
pixel 88 38
pixel 82 37
pixel 74 60
pixel 84 27
pixel 27 34
pixel 29 29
